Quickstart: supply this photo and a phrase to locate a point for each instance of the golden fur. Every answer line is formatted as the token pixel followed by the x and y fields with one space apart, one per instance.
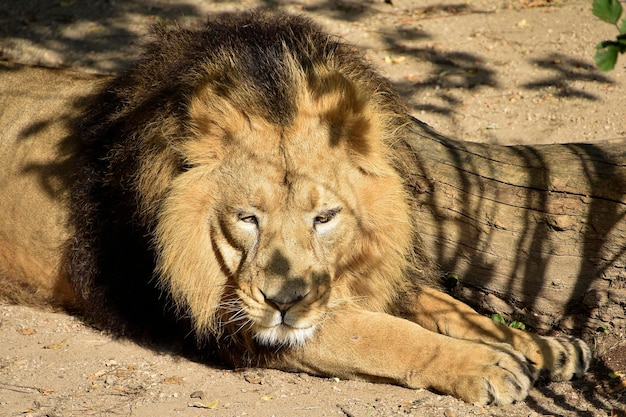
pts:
pixel 244 183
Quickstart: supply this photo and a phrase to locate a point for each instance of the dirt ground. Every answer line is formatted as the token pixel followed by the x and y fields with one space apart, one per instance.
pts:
pixel 507 71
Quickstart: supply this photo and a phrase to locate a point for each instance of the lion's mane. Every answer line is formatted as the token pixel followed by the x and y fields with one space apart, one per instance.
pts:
pixel 132 149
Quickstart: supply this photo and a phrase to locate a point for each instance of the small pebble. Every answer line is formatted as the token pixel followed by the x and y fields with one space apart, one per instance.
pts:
pixel 197 394
pixel 449 413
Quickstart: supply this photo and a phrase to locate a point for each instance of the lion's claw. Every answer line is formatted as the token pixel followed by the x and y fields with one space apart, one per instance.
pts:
pixel 507 381
pixel 496 375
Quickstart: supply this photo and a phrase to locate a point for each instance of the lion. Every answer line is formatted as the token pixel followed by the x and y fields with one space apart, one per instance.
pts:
pixel 241 189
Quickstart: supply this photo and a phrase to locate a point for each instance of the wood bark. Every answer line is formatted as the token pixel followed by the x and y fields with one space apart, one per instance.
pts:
pixel 536 233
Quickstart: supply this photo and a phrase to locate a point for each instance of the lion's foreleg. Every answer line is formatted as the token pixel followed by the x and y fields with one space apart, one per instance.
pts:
pixel 383 348
pixel 560 358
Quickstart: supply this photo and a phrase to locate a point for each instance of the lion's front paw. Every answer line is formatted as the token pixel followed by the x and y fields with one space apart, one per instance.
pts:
pixel 564 358
pixel 494 374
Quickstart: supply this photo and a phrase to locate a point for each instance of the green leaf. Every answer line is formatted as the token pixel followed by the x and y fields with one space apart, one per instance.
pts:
pixel 606 56
pixel 452 281
pixel 517 325
pixel 498 318
pixel 607 10
pixel 622 28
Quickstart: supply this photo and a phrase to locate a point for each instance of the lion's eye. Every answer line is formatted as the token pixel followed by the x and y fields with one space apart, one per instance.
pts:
pixel 248 218
pixel 326 216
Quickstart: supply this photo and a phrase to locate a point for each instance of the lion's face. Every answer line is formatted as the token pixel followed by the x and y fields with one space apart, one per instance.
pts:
pixel 284 229
pixel 271 225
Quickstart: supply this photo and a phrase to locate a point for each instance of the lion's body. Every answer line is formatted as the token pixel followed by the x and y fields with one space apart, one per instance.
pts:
pixel 35 120
pixel 243 183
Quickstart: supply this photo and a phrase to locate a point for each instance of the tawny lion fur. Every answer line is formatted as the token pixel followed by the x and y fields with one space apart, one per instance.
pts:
pixel 242 186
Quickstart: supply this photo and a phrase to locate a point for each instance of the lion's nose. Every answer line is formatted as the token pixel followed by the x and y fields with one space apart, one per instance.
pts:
pixel 283 304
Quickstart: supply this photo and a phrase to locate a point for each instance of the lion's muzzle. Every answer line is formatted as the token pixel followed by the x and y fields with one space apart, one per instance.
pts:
pixel 286 311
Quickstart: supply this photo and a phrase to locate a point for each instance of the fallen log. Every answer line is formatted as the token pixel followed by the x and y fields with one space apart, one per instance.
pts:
pixel 536 233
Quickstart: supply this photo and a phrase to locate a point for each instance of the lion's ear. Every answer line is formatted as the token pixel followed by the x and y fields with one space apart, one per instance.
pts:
pixel 354 122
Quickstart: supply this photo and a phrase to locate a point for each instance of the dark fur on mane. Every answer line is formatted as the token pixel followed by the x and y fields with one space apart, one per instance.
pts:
pixel 111 259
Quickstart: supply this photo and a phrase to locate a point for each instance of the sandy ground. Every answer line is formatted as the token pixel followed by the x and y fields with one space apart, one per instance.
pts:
pixel 517 71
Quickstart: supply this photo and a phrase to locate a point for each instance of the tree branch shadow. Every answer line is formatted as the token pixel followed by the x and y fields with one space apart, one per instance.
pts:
pixel 77 34
pixel 567 71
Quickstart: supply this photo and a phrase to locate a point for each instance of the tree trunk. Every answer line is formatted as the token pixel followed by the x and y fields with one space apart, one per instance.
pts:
pixel 533 232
